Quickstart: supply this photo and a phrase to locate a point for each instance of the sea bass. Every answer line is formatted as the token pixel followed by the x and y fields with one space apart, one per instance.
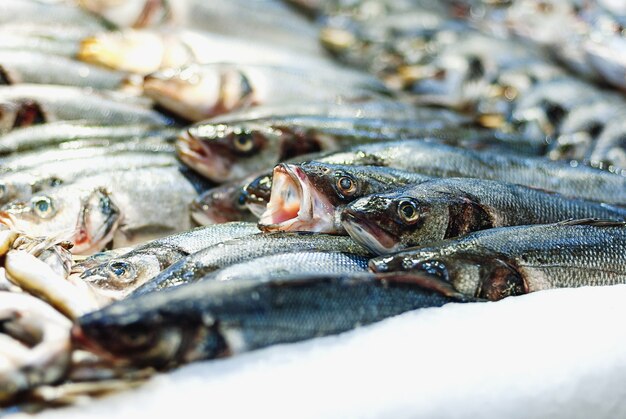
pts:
pixel 445 208
pixel 500 262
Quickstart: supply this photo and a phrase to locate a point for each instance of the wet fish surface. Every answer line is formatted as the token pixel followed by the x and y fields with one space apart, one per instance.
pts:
pixel 122 274
pixel 444 208
pixel 500 262
pixel 212 319
pixel 197 265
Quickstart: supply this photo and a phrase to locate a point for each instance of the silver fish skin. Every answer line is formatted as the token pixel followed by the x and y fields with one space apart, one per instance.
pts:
pixel 199 264
pixel 444 208
pixel 56 133
pixel 120 275
pixel 79 149
pixel 496 263
pixel 609 151
pixel 27 104
pixel 288 264
pixel 42 44
pixel 439 160
pixel 37 68
pixel 198 92
pixel 42 13
pixel 128 206
pixel 310 196
pixel 24 184
pixel 219 318
pixel 222 151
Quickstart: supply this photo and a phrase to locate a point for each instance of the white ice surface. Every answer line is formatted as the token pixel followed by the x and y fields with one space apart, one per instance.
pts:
pixel 553 354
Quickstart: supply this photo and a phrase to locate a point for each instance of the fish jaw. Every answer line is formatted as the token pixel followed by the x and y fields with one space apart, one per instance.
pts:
pixel 97 222
pixel 368 234
pixel 202 158
pixel 296 205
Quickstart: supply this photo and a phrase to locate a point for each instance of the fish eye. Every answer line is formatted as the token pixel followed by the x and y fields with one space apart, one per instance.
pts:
pixel 346 185
pixel 243 142
pixel 43 206
pixel 241 200
pixel 407 210
pixel 135 337
pixel 120 269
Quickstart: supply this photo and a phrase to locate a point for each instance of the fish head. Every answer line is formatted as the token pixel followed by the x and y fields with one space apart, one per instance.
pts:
pixel 386 223
pixel 225 152
pixel 479 273
pixel 257 193
pixel 200 92
pixel 221 204
pixel 118 276
pixel 98 218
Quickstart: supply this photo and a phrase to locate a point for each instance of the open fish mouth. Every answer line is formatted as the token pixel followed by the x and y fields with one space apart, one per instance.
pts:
pixel 202 158
pixel 369 234
pixel 295 204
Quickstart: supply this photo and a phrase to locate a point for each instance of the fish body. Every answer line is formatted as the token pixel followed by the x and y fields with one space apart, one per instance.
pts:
pixel 44 12
pixel 199 264
pixel 309 196
pixel 121 274
pixel 38 68
pixel 216 318
pixel 609 151
pixel 288 264
pixel 444 208
pixel 499 262
pixel 28 104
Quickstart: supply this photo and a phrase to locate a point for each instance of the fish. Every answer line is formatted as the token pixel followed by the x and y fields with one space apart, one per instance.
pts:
pixel 145 51
pixel 226 202
pixel 223 151
pixel 34 67
pixel 213 319
pixel 53 251
pixel 195 266
pixel 127 207
pixel 57 133
pixel 500 262
pixel 288 264
pixel 444 208
pixel 24 184
pixel 29 104
pixel 35 344
pixel 198 92
pixel 310 196
pixel 440 160
pixel 118 276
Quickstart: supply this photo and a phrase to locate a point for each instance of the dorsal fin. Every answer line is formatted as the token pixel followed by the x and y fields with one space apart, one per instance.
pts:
pixel 597 222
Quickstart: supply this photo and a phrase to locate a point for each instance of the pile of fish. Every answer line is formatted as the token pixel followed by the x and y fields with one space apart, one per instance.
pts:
pixel 189 180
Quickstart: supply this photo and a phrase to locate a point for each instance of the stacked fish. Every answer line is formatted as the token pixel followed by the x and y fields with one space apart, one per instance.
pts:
pixel 189 180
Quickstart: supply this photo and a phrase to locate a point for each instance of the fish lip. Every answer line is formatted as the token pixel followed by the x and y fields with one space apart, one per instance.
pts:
pixel 368 234
pixel 306 217
pixel 199 156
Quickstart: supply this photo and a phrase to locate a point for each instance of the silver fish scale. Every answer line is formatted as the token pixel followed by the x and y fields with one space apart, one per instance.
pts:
pixel 282 265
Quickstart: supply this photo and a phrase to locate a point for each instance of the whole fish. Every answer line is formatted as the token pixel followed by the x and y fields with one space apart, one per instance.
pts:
pixel 223 151
pixel 146 51
pixel 56 133
pixel 310 196
pixel 439 160
pixel 199 92
pixel 127 206
pixel 499 262
pixel 24 184
pixel 120 275
pixel 199 264
pixel 28 104
pixel 214 318
pixel 445 208
pixel 288 264
pixel 39 68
